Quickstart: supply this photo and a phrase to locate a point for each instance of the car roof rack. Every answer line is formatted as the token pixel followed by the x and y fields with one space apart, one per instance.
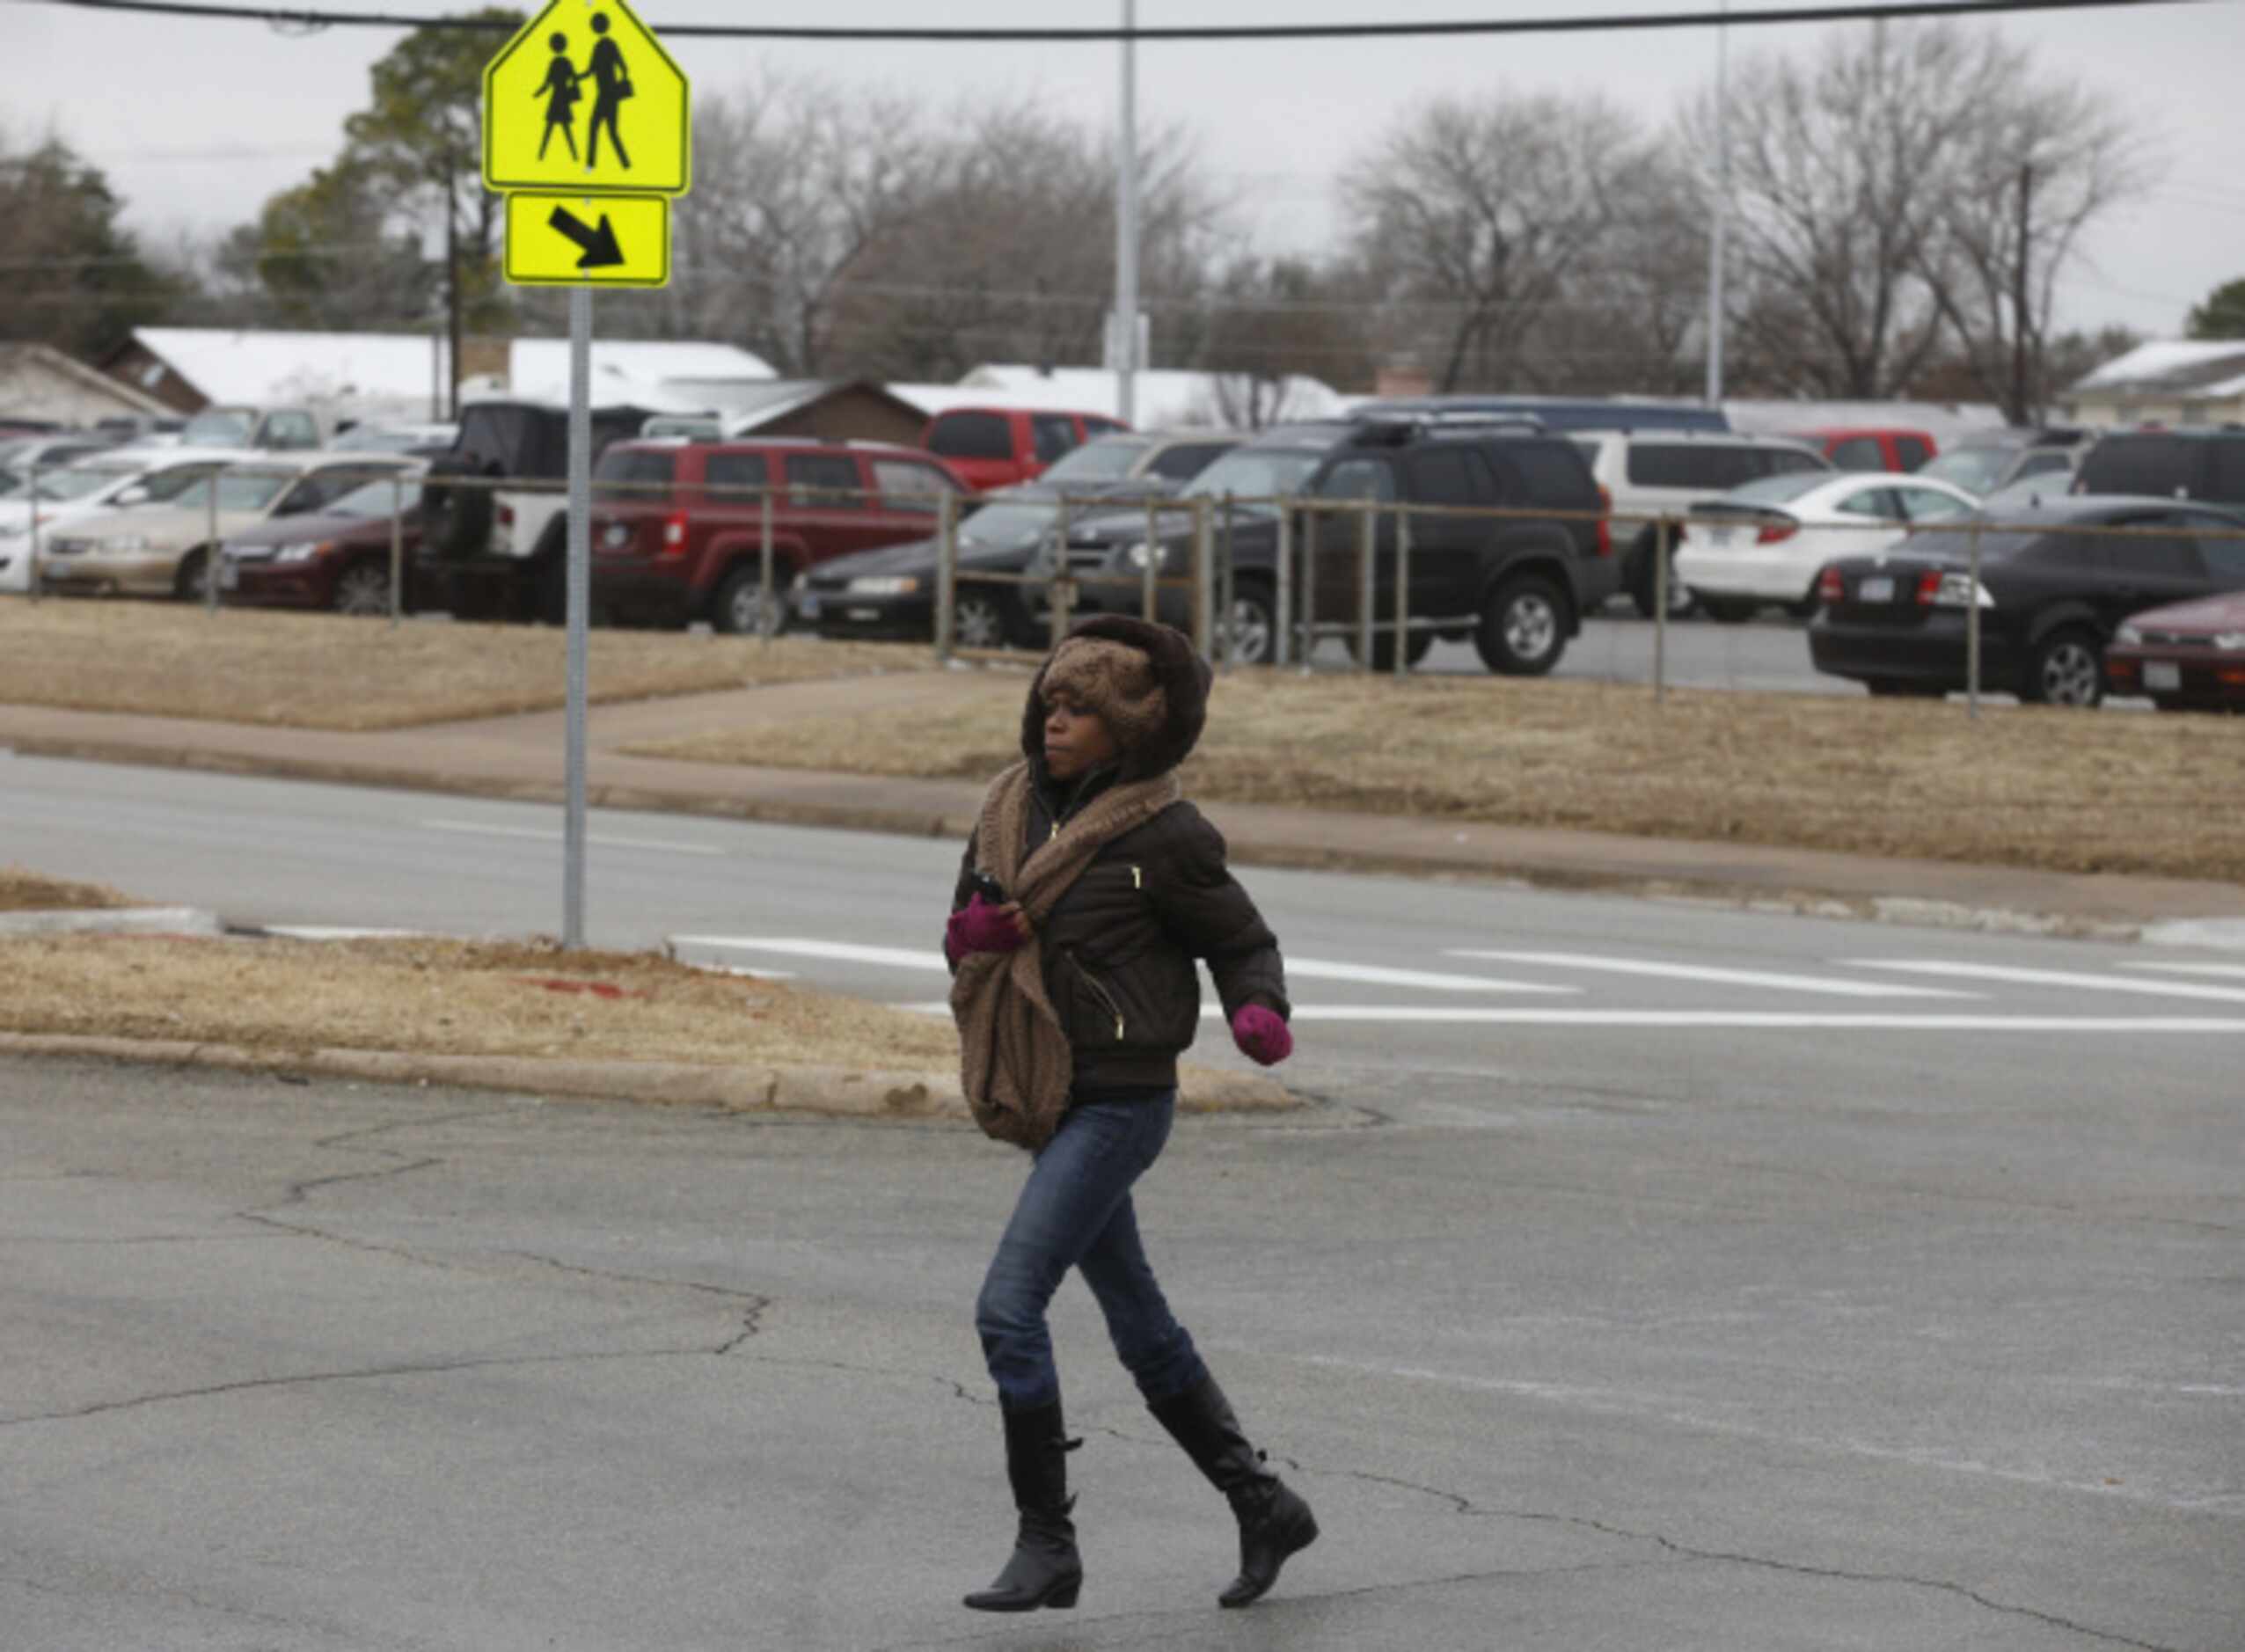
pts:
pixel 1396 430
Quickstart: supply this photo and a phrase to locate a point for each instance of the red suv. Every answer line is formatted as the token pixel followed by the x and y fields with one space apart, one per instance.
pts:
pixel 678 525
pixel 1871 447
pixel 996 447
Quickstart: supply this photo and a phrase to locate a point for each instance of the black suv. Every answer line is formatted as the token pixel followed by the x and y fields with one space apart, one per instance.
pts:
pixel 2193 462
pixel 1517 586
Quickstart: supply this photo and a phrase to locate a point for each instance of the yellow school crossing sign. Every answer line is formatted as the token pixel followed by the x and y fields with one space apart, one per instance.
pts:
pixel 584 110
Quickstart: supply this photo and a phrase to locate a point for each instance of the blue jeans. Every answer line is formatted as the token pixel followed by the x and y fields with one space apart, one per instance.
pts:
pixel 1075 1211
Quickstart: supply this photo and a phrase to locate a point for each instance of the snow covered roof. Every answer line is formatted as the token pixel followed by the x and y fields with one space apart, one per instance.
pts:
pixel 355 374
pixel 2203 366
pixel 669 377
pixel 1165 396
pixel 1944 421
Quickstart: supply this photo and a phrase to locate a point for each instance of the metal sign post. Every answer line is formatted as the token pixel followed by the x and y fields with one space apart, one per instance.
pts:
pixel 582 213
pixel 580 595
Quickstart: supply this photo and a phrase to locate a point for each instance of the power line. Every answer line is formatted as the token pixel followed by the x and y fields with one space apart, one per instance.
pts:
pixel 1623 22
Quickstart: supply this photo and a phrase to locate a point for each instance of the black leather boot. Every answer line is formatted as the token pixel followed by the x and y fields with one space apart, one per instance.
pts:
pixel 1044 1569
pixel 1274 1520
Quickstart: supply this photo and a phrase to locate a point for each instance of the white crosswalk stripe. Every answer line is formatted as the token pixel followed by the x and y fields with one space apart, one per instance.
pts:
pixel 841 952
pixel 1773 981
pixel 2052 978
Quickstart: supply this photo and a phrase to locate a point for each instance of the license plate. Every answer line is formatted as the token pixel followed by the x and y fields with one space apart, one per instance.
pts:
pixel 230 577
pixel 863 615
pixel 1721 537
pixel 807 607
pixel 2162 673
pixel 1875 590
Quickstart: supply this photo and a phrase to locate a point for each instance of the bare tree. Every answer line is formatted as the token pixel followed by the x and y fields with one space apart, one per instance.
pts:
pixel 1840 173
pixel 1268 323
pixel 1480 218
pixel 2040 162
pixel 797 183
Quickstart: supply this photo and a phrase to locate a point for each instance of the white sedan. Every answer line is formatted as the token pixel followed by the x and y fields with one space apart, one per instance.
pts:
pixel 118 478
pixel 1765 542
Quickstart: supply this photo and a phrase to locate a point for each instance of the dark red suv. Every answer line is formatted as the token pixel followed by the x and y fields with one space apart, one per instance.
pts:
pixel 992 447
pixel 678 525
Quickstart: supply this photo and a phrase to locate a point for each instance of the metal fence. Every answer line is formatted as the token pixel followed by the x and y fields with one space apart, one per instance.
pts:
pixel 1258 582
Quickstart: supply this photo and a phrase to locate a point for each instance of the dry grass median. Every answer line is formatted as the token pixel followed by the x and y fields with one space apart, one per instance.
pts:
pixel 447 997
pixel 323 671
pixel 2059 790
pixel 22 890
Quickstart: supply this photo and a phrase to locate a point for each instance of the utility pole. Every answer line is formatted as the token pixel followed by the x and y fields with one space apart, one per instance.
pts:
pixel 451 302
pixel 1721 209
pixel 1126 228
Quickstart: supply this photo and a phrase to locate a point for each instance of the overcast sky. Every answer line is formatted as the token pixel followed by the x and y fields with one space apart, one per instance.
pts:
pixel 196 122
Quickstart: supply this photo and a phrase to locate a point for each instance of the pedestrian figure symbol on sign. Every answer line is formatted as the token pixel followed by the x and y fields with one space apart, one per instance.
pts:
pixel 560 93
pixel 613 84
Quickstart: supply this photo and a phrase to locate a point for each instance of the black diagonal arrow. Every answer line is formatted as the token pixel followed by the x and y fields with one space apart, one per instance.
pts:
pixel 598 245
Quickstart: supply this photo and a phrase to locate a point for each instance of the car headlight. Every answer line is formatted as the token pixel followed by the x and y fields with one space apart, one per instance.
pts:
pixel 1145 553
pixel 2128 636
pixel 2231 642
pixel 299 551
pixel 883 585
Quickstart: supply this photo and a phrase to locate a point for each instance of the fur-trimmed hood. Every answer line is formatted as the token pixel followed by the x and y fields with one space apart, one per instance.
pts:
pixel 1182 674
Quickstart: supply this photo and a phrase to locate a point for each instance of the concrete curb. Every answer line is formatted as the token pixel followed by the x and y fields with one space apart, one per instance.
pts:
pixel 833 1091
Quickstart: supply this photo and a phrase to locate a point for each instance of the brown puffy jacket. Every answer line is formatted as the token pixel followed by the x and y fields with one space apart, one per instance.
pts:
pixel 1119 947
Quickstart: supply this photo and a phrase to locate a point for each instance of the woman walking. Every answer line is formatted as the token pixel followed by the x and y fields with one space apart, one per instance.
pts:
pixel 1086 894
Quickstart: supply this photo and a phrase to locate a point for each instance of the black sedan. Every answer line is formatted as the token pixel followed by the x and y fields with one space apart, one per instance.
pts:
pixel 2055 585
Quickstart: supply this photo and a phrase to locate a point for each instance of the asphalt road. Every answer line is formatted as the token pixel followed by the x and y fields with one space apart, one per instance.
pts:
pixel 1646 1275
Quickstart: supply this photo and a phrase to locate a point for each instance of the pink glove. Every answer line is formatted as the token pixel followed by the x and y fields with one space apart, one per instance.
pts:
pixel 978 926
pixel 1261 1034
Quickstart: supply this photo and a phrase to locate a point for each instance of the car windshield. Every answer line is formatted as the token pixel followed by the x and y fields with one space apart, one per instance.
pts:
pixel 1008 524
pixel 377 498
pixel 1776 490
pixel 1109 459
pixel 81 481
pixel 1255 474
pixel 251 490
pixel 219 428
pixel 1975 470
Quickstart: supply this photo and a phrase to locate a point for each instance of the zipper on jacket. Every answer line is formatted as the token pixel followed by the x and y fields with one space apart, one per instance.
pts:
pixel 1092 981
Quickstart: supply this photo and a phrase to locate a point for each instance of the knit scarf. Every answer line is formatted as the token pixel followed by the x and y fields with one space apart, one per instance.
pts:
pixel 1015 1061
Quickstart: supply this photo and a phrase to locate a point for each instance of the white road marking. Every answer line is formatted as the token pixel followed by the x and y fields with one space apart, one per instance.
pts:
pixel 1740 1021
pixel 2052 978
pixel 2234 972
pixel 843 952
pixel 1721 978
pixel 547 835
pixel 1372 974
pixel 1307 968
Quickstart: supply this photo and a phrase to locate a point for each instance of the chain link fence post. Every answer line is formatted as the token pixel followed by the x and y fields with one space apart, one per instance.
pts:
pixel 765 613
pixel 397 547
pixel 1973 627
pixel 1151 569
pixel 1204 579
pixel 1661 530
pixel 30 569
pixel 1402 664
pixel 946 570
pixel 1282 618
pixel 1227 593
pixel 1367 536
pixel 210 552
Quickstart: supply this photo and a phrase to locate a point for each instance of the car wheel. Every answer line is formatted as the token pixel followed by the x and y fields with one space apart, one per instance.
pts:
pixel 1524 628
pixel 1680 600
pixel 1805 608
pixel 2068 669
pixel 739 607
pixel 982 620
pixel 1254 629
pixel 363 589
pixel 191 582
pixel 1731 611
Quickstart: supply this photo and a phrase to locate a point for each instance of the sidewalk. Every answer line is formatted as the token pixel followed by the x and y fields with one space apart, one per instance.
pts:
pixel 524 757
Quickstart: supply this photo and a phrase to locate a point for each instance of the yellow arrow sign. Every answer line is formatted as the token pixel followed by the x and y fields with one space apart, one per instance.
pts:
pixel 589 240
pixel 584 98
